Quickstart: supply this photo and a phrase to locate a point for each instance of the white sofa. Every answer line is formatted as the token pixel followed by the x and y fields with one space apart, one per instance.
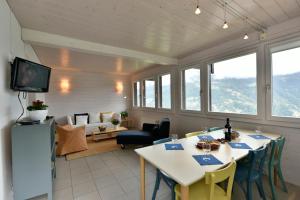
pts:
pixel 95 121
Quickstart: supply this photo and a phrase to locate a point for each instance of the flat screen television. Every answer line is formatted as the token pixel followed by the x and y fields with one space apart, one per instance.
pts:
pixel 28 76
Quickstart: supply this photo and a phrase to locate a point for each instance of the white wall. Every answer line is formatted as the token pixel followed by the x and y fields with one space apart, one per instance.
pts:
pixel 89 92
pixel 10 43
pixel 183 122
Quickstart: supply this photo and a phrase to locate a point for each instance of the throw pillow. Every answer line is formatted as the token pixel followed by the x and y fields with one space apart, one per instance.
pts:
pixel 81 120
pixel 106 117
pixel 94 118
pixel 70 121
pixel 81 114
pixel 70 139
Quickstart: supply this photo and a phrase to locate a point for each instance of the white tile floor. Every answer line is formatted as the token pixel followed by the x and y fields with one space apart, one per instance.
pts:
pixel 115 176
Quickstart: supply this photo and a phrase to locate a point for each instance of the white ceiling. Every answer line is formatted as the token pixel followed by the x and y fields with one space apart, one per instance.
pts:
pixel 162 27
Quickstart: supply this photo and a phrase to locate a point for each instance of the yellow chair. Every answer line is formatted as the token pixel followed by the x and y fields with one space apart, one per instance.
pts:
pixel 207 189
pixel 194 134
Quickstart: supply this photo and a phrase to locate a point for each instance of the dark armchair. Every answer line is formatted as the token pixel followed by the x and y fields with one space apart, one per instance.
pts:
pixel 147 135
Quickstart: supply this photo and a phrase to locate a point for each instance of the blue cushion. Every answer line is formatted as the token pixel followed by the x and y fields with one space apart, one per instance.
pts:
pixel 134 137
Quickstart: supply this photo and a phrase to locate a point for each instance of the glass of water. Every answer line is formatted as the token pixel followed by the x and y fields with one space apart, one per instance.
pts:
pixel 174 137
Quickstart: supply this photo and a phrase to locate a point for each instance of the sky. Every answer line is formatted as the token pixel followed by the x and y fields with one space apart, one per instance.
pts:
pixel 286 62
pixel 241 67
pixel 283 62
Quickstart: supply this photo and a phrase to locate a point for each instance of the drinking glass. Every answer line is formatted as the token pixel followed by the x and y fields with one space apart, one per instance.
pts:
pixel 258 130
pixel 174 137
pixel 205 130
pixel 206 148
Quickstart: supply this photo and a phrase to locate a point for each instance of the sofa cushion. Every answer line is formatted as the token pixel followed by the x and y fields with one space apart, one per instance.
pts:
pixel 82 120
pixel 69 120
pixel 81 114
pixel 70 139
pixel 94 118
pixel 106 117
pixel 134 137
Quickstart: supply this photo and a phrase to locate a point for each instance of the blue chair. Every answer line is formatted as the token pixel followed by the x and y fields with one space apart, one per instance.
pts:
pixel 250 171
pixel 161 175
pixel 274 165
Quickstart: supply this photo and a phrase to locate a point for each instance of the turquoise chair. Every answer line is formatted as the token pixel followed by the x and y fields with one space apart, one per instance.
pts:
pixel 161 175
pixel 250 171
pixel 274 165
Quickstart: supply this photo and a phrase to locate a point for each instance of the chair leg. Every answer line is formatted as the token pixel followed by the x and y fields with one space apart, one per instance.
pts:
pixel 157 182
pixel 260 188
pixel 271 182
pixel 249 190
pixel 173 193
pixel 281 179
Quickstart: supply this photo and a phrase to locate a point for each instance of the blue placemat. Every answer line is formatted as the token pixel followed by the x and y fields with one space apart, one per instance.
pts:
pixel 174 147
pixel 239 145
pixel 206 137
pixel 260 137
pixel 207 160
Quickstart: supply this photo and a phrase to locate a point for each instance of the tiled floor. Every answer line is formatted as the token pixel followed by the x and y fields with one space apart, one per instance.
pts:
pixel 115 176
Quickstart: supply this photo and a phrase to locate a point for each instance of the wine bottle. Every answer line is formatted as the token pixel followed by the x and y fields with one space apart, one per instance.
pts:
pixel 228 130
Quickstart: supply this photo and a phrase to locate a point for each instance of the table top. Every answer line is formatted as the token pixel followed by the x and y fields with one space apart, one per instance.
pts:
pixel 184 169
pixel 110 130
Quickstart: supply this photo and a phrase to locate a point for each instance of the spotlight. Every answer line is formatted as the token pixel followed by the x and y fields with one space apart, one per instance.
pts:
pixel 225 25
pixel 197 11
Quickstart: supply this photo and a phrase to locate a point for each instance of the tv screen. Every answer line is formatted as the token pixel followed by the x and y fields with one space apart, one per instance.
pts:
pixel 28 76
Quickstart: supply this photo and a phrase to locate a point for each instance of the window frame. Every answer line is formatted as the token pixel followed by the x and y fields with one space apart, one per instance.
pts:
pixel 159 92
pixel 133 94
pixel 144 92
pixel 182 90
pixel 273 48
pixel 259 114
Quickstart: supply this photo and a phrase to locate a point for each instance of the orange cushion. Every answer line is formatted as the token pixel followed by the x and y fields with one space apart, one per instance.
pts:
pixel 70 139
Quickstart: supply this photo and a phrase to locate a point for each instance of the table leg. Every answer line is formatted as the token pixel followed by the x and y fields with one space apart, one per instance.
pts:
pixel 185 192
pixel 142 174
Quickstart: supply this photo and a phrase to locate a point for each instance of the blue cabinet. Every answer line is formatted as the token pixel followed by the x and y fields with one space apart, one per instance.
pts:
pixel 33 159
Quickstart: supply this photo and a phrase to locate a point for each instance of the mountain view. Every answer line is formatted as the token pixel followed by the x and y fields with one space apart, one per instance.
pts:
pixel 242 96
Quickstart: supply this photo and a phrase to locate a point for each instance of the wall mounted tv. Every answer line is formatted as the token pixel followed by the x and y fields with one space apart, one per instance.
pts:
pixel 28 76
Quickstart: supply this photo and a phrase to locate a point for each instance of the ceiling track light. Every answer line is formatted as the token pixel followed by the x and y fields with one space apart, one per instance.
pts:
pixel 246 37
pixel 225 25
pixel 197 11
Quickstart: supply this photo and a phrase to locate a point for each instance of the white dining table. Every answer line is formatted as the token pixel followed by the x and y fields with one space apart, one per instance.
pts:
pixel 184 169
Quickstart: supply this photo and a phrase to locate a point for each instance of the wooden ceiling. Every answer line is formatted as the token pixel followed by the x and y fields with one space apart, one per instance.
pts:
pixel 162 27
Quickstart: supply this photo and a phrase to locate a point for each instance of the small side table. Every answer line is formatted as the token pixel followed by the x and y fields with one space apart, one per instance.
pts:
pixel 126 123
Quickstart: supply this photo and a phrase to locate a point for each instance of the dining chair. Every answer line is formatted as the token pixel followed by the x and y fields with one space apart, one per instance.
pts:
pixel 194 134
pixel 208 189
pixel 162 175
pixel 274 165
pixel 250 171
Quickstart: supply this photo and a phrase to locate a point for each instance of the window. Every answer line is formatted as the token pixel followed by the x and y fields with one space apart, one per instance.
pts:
pixel 149 93
pixel 233 85
pixel 191 89
pixel 285 83
pixel 136 94
pixel 165 91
